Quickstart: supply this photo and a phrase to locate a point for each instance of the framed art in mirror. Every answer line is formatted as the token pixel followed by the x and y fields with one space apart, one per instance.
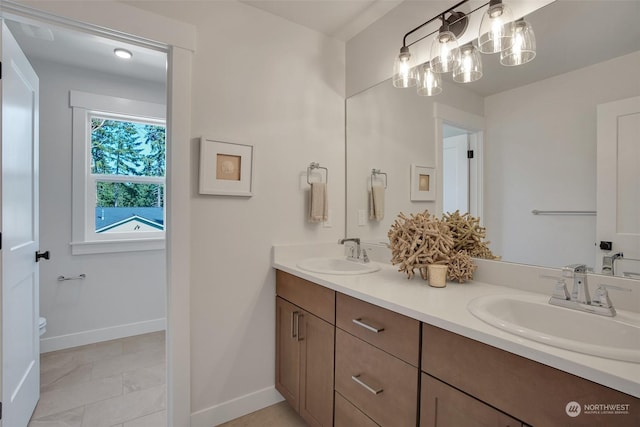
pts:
pixel 226 168
pixel 423 183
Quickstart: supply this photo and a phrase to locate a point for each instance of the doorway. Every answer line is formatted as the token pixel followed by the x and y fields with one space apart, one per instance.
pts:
pixel 87 306
pixel 459 150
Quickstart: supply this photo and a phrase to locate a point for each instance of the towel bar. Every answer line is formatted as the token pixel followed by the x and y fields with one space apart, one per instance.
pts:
pixel 375 172
pixel 316 165
pixel 78 277
pixel 537 212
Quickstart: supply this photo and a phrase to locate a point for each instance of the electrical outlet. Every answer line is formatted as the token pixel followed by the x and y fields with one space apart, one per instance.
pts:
pixel 327 223
pixel 362 217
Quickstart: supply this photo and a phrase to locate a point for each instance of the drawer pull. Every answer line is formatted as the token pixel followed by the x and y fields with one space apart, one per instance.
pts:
pixel 357 379
pixel 294 324
pixel 359 322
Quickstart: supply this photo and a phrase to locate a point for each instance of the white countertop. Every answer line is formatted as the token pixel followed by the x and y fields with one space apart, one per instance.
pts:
pixel 447 308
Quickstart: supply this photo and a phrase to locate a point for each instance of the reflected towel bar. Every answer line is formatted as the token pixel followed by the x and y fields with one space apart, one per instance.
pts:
pixel 316 165
pixel 78 277
pixel 538 212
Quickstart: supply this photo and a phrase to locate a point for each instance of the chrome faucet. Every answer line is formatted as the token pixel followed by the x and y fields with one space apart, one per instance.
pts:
pixel 355 250
pixel 580 291
pixel 579 298
pixel 608 263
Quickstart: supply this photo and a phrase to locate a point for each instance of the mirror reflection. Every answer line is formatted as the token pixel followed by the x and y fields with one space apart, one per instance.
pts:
pixel 541 165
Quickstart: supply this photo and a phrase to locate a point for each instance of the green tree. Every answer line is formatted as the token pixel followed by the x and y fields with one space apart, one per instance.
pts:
pixel 127 148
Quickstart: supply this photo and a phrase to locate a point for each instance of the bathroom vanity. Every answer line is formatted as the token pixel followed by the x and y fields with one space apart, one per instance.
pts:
pixel 380 350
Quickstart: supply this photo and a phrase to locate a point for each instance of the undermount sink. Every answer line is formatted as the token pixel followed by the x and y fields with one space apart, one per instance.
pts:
pixel 532 317
pixel 337 266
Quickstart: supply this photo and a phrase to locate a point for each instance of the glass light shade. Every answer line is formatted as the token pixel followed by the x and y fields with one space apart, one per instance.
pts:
pixel 429 83
pixel 524 46
pixel 470 67
pixel 404 73
pixel 445 53
pixel 496 29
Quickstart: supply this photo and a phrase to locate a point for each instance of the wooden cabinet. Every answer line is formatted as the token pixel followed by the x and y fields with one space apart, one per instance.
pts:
pixel 305 349
pixel 534 393
pixel 347 415
pixel 443 406
pixel 377 355
pixel 392 332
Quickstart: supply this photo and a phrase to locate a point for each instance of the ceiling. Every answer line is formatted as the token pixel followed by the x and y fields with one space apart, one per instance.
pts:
pixel 570 35
pixel 340 19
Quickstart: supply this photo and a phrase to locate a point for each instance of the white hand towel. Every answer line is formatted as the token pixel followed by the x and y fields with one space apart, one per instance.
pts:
pixel 376 202
pixel 318 206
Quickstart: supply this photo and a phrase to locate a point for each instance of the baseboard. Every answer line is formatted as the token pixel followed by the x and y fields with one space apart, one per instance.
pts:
pixel 61 342
pixel 235 408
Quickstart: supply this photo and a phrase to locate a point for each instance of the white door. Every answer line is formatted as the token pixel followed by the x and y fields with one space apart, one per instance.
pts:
pixel 618 172
pixel 20 301
pixel 455 173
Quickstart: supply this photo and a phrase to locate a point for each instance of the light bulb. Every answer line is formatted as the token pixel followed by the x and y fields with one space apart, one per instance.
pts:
pixel 496 28
pixel 403 69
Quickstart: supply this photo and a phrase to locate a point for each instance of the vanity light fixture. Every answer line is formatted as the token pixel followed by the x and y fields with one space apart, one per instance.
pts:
pixel 469 68
pixel 496 28
pixel 122 53
pixel 445 53
pixel 404 73
pixel 498 33
pixel 523 49
pixel 429 82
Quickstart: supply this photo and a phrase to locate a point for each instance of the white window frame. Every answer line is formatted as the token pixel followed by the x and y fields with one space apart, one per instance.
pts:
pixel 84 238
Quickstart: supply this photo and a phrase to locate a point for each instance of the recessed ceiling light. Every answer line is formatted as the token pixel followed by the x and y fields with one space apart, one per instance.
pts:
pixel 122 53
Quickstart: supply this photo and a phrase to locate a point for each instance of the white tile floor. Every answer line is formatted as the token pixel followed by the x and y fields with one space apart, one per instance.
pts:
pixel 119 383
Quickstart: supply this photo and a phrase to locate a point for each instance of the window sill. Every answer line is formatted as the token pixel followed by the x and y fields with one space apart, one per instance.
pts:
pixel 111 246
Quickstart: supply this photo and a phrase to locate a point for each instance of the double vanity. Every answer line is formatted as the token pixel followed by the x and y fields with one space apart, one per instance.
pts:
pixel 375 349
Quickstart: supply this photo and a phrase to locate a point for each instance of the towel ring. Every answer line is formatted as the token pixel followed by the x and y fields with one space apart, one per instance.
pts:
pixel 375 172
pixel 316 165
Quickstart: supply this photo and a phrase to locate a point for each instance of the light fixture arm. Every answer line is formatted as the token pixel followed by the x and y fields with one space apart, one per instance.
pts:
pixel 440 16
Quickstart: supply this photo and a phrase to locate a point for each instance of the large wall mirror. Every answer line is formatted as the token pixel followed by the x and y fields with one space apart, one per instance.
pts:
pixel 534 132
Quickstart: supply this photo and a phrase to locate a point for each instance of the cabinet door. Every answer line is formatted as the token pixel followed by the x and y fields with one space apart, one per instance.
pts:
pixel 316 370
pixel 445 406
pixel 288 351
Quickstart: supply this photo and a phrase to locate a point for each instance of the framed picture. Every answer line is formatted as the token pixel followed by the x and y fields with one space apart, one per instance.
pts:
pixel 423 183
pixel 226 168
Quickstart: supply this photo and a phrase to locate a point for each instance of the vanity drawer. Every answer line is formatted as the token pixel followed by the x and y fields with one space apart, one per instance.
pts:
pixel 389 331
pixel 384 387
pixel 348 415
pixel 530 391
pixel 314 298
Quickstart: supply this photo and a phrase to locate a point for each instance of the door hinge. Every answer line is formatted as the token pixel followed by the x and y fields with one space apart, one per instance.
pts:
pixel 0 410
pixel 0 249
pixel 469 154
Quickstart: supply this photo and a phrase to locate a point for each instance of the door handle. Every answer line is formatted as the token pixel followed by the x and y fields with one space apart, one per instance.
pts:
pixel 44 255
pixel 367 326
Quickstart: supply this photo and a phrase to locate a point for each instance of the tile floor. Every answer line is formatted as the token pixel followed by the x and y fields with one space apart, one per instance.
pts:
pixel 278 415
pixel 119 383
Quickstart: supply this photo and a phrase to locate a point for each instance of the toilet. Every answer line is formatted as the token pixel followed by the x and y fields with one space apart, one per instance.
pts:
pixel 42 323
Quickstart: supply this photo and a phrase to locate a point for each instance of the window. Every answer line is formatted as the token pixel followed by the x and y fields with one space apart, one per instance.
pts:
pixel 118 174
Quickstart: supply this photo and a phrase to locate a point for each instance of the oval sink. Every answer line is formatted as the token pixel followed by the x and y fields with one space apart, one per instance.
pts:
pixel 532 317
pixel 336 266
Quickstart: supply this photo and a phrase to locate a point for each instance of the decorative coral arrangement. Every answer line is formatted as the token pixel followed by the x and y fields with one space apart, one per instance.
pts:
pixel 421 239
pixel 461 267
pixel 468 235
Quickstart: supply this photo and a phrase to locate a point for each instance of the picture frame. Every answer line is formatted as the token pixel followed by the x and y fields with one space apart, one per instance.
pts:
pixel 226 168
pixel 423 183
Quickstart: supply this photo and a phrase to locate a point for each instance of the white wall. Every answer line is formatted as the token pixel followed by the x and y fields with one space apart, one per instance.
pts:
pixel 390 129
pixel 261 80
pixel 124 293
pixel 540 153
